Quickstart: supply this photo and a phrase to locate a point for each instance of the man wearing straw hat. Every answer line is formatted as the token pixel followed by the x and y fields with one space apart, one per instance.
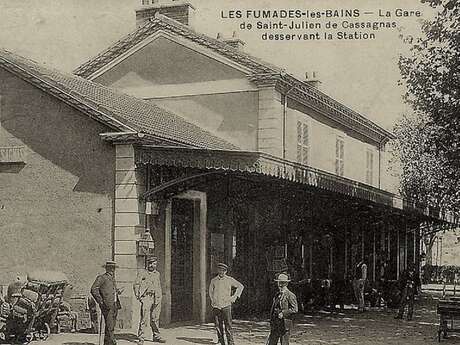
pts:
pixel 147 289
pixel 104 291
pixel 283 308
pixel 220 292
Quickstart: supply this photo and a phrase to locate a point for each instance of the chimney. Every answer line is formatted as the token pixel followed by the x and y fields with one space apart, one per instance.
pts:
pixel 234 41
pixel 177 10
pixel 311 78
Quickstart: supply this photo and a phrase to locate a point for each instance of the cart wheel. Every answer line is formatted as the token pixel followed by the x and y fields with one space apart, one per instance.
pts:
pixel 45 333
pixel 28 338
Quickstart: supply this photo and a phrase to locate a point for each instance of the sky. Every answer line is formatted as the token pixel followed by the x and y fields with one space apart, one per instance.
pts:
pixel 362 74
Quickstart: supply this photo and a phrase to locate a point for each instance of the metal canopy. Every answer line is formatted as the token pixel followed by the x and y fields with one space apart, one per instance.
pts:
pixel 262 164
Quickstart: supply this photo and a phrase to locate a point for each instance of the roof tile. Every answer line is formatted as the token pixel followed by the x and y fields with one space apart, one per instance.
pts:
pixel 134 113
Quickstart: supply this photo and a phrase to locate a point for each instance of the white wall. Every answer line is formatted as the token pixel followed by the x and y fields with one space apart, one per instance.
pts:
pixel 323 145
pixel 231 116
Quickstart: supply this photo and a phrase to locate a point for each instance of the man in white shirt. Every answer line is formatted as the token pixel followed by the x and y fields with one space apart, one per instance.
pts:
pixel 359 283
pixel 147 289
pixel 220 292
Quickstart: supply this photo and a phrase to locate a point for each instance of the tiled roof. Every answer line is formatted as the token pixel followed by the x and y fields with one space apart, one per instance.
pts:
pixel 118 110
pixel 261 72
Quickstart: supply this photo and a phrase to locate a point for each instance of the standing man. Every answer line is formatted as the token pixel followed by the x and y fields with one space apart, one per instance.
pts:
pixel 220 292
pixel 408 283
pixel 359 283
pixel 147 289
pixel 283 308
pixel 104 291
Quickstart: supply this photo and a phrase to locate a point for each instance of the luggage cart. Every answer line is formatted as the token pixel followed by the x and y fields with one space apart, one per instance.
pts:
pixel 31 314
pixel 449 315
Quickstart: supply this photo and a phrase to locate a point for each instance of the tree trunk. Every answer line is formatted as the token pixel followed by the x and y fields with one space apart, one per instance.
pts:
pixel 428 240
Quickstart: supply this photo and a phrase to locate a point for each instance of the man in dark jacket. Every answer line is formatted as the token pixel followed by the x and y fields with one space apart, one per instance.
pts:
pixel 283 308
pixel 409 282
pixel 105 292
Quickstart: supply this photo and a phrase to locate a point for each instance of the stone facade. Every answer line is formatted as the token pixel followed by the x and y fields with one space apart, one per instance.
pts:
pixel 129 226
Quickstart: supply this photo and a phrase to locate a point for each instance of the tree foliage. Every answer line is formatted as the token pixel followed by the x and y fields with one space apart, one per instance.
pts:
pixel 425 175
pixel 429 142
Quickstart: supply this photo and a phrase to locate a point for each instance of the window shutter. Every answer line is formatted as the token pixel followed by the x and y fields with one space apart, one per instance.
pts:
pixel 369 167
pixel 339 156
pixel 303 142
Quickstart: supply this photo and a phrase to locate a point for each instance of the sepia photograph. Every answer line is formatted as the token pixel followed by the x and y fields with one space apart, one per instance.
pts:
pixel 229 172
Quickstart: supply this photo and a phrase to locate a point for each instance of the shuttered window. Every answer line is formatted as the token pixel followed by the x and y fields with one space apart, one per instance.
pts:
pixel 303 142
pixel 339 155
pixel 369 167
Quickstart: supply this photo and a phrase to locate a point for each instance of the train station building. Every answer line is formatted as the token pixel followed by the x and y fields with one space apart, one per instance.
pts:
pixel 216 154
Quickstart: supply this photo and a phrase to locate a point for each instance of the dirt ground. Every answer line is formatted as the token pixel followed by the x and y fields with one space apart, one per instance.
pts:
pixel 368 328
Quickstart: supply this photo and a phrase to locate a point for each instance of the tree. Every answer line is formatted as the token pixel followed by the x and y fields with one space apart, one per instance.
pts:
pixel 424 171
pixel 431 72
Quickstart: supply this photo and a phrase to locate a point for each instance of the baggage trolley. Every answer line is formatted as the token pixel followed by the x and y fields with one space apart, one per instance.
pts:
pixel 31 314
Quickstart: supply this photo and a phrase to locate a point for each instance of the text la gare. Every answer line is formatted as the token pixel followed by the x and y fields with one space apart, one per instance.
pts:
pixel 399 12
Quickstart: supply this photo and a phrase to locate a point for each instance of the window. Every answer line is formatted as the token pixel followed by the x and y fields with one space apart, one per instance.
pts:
pixel 303 142
pixel 339 155
pixel 369 166
pixel 2 142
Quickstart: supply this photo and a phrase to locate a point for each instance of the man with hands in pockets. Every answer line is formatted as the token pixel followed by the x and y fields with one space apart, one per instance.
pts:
pixel 220 292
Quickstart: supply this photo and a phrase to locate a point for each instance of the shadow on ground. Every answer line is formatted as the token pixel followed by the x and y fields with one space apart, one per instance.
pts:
pixel 197 340
pixel 126 336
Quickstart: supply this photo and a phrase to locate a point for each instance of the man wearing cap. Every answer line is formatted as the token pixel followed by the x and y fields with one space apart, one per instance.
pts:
pixel 283 308
pixel 147 289
pixel 220 292
pixel 104 291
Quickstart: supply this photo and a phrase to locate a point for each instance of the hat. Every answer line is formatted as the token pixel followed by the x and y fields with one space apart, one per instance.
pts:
pixel 282 277
pixel 222 265
pixel 110 264
pixel 152 259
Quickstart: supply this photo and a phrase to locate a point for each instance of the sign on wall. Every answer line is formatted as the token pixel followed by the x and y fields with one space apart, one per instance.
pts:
pixel 276 258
